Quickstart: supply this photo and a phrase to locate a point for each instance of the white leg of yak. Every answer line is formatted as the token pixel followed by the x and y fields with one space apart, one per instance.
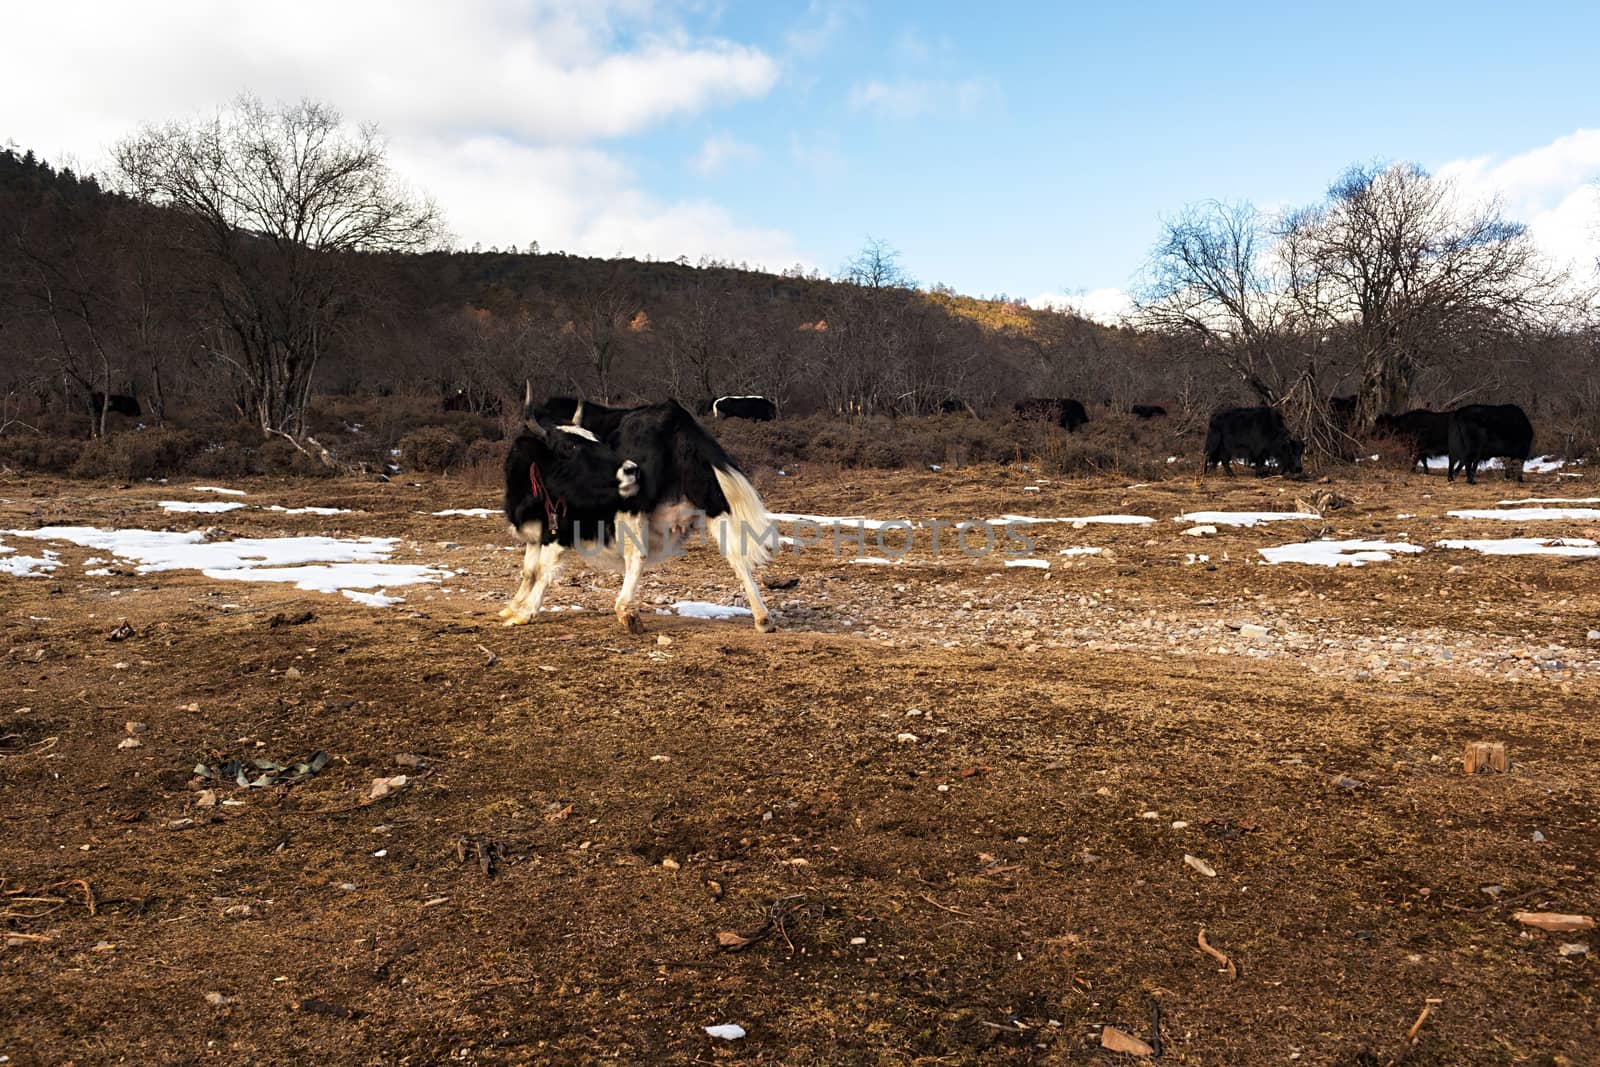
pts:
pixel 540 566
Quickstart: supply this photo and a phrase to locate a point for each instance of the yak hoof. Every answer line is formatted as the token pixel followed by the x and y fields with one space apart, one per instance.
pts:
pixel 513 619
pixel 765 626
pixel 630 621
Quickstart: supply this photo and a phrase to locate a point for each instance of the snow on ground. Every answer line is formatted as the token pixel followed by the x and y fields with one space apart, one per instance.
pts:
pixel 1082 550
pixel 309 511
pixel 380 599
pixel 321 564
pixel 165 550
pixel 1040 564
pixel 1536 465
pixel 1109 520
pixel 834 520
pixel 1549 500
pixel 1526 514
pixel 206 507
pixel 1243 518
pixel 26 566
pixel 1574 547
pixel 1543 464
pixel 332 577
pixel 875 561
pixel 1335 553
pixel 700 609
pixel 477 513
pixel 217 489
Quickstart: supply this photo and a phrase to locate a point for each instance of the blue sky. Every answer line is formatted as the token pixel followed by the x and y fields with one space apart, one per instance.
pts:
pixel 1025 149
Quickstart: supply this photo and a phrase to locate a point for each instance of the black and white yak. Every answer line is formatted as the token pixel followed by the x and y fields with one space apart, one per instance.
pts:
pixel 626 488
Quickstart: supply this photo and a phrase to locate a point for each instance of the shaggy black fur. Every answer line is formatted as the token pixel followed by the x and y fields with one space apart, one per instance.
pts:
pixel 566 482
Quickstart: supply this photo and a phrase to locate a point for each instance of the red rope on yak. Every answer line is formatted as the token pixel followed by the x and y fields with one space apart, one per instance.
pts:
pixel 554 509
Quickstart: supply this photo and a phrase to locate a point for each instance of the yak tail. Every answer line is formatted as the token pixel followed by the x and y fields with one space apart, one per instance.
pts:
pixel 746 533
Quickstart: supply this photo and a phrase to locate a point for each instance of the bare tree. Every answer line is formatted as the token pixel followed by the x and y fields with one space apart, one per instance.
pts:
pixel 280 204
pixel 1212 284
pixel 877 266
pixel 1413 277
pixel 603 316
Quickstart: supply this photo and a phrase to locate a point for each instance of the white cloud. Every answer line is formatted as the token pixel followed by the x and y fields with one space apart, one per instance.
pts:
pixel 721 150
pixel 467 93
pixel 580 200
pixel 821 24
pixel 911 99
pixel 1551 188
pixel 1107 306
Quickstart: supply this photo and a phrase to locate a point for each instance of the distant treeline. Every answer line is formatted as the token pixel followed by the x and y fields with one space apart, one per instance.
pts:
pixel 105 295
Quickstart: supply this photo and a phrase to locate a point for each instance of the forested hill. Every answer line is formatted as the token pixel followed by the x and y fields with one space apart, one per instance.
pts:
pixel 136 316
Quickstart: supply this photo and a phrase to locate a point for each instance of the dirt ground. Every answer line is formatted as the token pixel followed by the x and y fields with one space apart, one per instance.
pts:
pixel 949 804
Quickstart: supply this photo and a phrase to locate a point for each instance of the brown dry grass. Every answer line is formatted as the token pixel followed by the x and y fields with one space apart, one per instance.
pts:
pixel 1006 916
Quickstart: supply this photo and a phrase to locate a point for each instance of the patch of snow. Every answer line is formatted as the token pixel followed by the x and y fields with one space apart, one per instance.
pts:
pixel 1526 514
pixel 332 577
pixel 476 513
pixel 1038 564
pixel 380 599
pixel 99 572
pixel 1549 500
pixel 1543 464
pixel 1404 515
pixel 1335 553
pixel 726 1031
pixel 700 609
pixel 1110 520
pixel 26 566
pixel 1244 518
pixel 1572 547
pixel 1030 489
pixel 875 561
pixel 207 507
pixel 164 550
pixel 833 520
pixel 1080 551
pixel 217 489
pixel 309 511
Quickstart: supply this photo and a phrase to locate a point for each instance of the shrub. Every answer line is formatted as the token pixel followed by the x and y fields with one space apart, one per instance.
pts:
pixel 432 448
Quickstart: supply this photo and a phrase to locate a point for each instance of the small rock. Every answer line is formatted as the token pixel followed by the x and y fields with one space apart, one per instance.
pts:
pixel 191 707
pixel 671 864
pixel 1537 837
pixel 409 759
pixel 1554 921
pixel 206 798
pixel 382 787
pixel 135 727
pixel 175 824
pixel 858 941
pixel 907 739
pixel 660 759
pixel 215 999
pixel 1179 824
pixel 1573 948
pixel 348 887
pixel 1594 635
pixel 1200 865
pixel 1253 631
pixel 130 742
pixel 292 672
pixel 238 911
pixel 1344 781
pixel 1122 1041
